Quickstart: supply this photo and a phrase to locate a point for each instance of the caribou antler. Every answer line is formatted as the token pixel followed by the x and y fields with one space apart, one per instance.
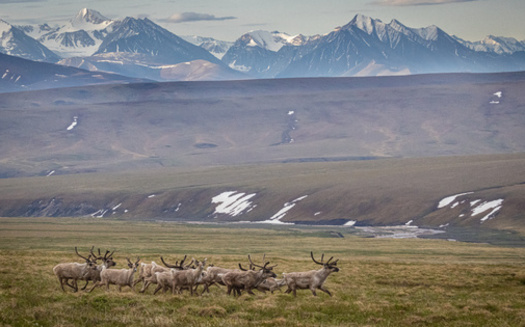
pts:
pixel 317 262
pixel 262 267
pixel 251 262
pixel 322 263
pixel 106 256
pixel 176 265
pixel 87 259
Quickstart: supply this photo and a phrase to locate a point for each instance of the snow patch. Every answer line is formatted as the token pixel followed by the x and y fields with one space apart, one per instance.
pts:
pixel 498 96
pixel 276 218
pixel 494 206
pixel 473 203
pixel 449 199
pixel 477 206
pixel 240 68
pixel 233 203
pixel 100 213
pixel 73 124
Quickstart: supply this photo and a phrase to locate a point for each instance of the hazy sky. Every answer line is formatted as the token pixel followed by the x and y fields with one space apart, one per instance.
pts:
pixel 228 19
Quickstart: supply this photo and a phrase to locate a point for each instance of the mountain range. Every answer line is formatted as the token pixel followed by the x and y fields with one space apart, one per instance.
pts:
pixel 139 48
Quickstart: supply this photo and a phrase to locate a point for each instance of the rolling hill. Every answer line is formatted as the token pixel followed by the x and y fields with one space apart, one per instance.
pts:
pixel 374 151
pixel 18 74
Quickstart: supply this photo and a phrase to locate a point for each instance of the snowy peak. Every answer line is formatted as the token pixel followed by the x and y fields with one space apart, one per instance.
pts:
pixel 384 31
pixel 430 33
pixel 272 41
pixel 88 16
pixel 142 36
pixel 216 47
pixel 4 27
pixel 397 25
pixel 263 39
pixel 496 44
pixel 364 23
pixel 14 42
pixel 80 36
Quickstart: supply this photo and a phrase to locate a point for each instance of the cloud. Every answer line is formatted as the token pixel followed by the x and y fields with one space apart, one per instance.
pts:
pixel 416 2
pixel 193 17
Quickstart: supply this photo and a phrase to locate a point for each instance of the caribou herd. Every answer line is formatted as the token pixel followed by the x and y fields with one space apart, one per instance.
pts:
pixel 183 275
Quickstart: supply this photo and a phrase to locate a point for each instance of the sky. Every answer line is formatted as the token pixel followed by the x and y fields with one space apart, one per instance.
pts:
pixel 227 20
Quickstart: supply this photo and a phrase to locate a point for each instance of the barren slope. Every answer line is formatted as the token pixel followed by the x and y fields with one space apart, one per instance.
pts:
pixel 222 123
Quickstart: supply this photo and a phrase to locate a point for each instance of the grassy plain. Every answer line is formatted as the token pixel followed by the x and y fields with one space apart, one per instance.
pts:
pixel 382 282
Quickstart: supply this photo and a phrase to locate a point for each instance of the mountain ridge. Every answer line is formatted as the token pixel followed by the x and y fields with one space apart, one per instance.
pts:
pixel 363 47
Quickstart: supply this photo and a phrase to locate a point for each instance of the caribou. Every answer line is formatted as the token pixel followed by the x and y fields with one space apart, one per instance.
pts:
pixel 180 276
pixel 119 277
pixel 271 284
pixel 74 271
pixel 313 279
pixel 247 279
pixel 178 279
pixel 156 270
pixel 94 274
pixel 214 277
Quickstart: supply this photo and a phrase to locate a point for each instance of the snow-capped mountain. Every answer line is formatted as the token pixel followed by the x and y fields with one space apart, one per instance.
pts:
pixel 365 41
pixel 81 36
pixel 142 49
pixel 15 42
pixel 216 47
pixel 496 44
pixel 259 52
pixel 364 46
pixel 142 36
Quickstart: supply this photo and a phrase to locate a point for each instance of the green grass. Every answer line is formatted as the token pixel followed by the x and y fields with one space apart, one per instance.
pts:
pixel 382 282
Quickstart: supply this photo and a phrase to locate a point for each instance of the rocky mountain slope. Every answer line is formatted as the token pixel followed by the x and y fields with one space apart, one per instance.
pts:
pixel 365 47
pixel 14 42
